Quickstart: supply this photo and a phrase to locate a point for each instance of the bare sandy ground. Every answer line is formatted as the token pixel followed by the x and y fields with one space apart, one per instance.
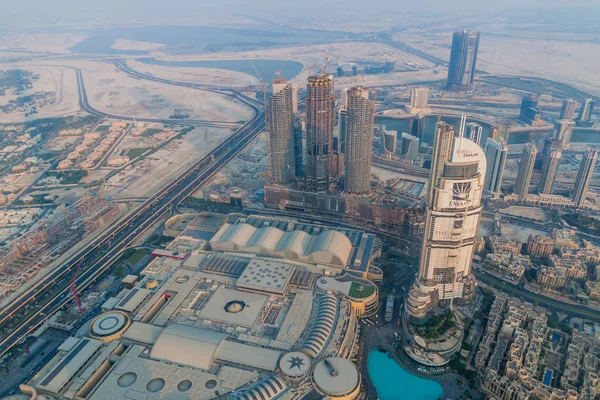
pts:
pixel 44 43
pixel 573 63
pixel 529 212
pixel 52 79
pixel 207 76
pixel 518 232
pixel 112 91
pixel 126 44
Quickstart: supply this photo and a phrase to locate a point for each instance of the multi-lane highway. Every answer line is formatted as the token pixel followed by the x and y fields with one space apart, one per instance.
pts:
pixel 29 310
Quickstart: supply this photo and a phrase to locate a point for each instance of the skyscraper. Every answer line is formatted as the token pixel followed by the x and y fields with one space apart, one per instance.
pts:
pixel 389 140
pixel 585 113
pixel 298 153
pixel 442 150
pixel 525 171
pixel 496 153
pixel 551 161
pixel 281 136
pixel 463 58
pixel 568 109
pixel 474 132
pixel 359 141
pixel 419 99
pixel 564 131
pixel 342 117
pixel 409 148
pixel 320 105
pixel 584 176
pixel 530 111
pixel 452 219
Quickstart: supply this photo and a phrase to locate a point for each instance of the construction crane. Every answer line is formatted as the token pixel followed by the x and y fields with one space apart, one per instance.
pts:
pixel 263 83
pixel 74 288
pixel 280 71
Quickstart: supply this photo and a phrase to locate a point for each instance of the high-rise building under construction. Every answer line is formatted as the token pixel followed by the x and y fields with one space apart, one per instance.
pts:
pixel 281 136
pixel 463 58
pixel 320 107
pixel 359 141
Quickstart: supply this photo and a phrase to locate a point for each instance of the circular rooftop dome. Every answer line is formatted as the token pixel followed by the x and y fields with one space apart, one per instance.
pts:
pixel 109 326
pixel 336 377
pixel 235 306
pixel 295 364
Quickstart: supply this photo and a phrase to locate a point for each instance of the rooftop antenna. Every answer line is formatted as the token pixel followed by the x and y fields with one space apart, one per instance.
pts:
pixel 461 132
pixel 463 123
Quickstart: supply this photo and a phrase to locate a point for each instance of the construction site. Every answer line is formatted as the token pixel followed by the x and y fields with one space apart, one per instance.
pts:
pixel 50 239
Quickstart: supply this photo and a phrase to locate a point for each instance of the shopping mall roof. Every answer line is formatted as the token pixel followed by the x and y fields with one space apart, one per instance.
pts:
pixel 251 356
pixel 143 333
pixel 57 377
pixel 266 275
pixel 336 376
pixel 295 364
pixel 326 247
pixel 234 307
pixel 187 345
pixel 135 377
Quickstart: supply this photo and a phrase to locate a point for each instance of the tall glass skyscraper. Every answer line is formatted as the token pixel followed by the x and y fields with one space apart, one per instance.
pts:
pixel 496 153
pixel 463 58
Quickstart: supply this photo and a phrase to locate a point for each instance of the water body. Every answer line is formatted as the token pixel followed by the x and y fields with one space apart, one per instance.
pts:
pixel 266 68
pixel 429 122
pixel 392 382
pixel 579 136
pixel 406 125
pixel 197 39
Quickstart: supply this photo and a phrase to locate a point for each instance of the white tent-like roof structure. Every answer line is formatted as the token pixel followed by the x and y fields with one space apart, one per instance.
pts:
pixel 328 247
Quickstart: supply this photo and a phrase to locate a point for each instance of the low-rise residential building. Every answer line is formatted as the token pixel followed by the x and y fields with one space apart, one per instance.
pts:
pixel 551 277
pixel 571 268
pixel 502 245
pixel 508 263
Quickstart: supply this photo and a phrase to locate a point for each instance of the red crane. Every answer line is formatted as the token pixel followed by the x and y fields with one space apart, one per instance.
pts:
pixel 74 288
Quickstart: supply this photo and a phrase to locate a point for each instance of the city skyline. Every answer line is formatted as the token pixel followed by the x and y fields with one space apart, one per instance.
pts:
pixel 242 201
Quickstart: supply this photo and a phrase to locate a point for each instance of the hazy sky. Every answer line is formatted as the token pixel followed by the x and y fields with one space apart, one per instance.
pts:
pixel 110 11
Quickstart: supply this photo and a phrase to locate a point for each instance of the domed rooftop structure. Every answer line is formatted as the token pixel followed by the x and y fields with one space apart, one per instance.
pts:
pixel 295 364
pixel 109 326
pixel 337 377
